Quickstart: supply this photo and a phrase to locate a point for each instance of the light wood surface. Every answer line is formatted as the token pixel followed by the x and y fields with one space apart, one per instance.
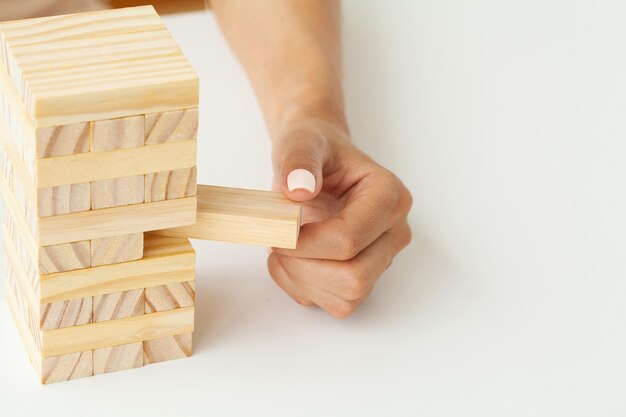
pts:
pixel 63 199
pixel 66 313
pixel 243 216
pixel 94 166
pixel 97 66
pixel 119 305
pixel 17 166
pixel 166 260
pixel 67 367
pixel 62 140
pixel 32 349
pixel 28 292
pixel 116 249
pixel 17 216
pixel 64 257
pixel 170 296
pixel 117 332
pixel 172 126
pixel 167 348
pixel 117 192
pixel 168 185
pixel 115 221
pixel 122 133
pixel 117 358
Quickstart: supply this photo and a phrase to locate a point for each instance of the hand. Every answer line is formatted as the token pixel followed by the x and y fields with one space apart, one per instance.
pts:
pixel 354 218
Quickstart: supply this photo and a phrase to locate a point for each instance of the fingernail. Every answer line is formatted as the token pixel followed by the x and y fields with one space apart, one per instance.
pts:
pixel 301 179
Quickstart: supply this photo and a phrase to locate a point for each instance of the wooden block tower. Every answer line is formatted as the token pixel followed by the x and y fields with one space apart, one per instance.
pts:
pixel 98 133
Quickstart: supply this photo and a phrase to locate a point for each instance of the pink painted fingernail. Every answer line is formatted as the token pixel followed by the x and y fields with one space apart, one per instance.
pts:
pixel 301 179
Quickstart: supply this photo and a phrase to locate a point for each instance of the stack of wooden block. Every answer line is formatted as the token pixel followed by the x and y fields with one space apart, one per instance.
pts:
pixel 98 133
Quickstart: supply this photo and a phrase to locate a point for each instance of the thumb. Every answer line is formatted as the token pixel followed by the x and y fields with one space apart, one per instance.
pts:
pixel 301 162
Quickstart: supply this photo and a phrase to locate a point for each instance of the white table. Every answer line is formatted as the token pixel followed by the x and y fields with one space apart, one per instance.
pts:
pixel 507 121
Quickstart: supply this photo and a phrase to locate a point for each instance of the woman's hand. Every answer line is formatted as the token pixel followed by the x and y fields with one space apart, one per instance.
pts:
pixel 354 218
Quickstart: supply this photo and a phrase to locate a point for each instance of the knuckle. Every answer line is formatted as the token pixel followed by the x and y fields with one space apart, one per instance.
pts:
pixel 350 246
pixel 355 285
pixel 305 302
pixel 343 309
pixel 406 236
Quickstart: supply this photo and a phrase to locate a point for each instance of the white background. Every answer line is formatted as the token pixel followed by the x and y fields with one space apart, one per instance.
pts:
pixel 506 119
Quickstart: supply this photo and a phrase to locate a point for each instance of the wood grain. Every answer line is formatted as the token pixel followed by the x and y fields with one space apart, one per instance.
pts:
pixel 243 216
pixel 169 185
pixel 117 358
pixel 67 367
pixel 62 140
pixel 116 249
pixel 116 221
pixel 66 313
pixel 166 260
pixel 63 199
pixel 117 332
pixel 117 192
pixel 119 305
pixel 14 166
pixel 97 66
pixel 173 126
pixel 122 133
pixel 64 257
pixel 95 166
pixel 170 296
pixel 167 348
pixel 32 349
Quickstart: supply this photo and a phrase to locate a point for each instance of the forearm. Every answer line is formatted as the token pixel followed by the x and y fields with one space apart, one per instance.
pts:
pixel 291 52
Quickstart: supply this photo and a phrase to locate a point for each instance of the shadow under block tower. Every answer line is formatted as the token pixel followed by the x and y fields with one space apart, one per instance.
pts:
pixel 98 132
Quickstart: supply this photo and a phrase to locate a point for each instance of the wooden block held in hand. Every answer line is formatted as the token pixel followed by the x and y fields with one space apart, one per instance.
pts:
pixel 243 216
pixel 66 313
pixel 64 199
pixel 116 249
pixel 62 140
pixel 117 358
pixel 64 257
pixel 170 296
pixel 167 348
pixel 118 305
pixel 67 367
pixel 171 126
pixel 126 132
pixel 169 185
pixel 117 192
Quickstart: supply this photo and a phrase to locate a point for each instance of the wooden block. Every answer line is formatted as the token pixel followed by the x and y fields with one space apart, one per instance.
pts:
pixel 117 192
pixel 117 358
pixel 67 367
pixel 126 132
pixel 63 199
pixel 94 166
pixel 33 350
pixel 170 296
pixel 61 81
pixel 243 216
pixel 171 126
pixel 168 185
pixel 14 167
pixel 64 257
pixel 117 332
pixel 167 348
pixel 62 140
pixel 116 249
pixel 166 260
pixel 66 313
pixel 116 221
pixel 118 305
